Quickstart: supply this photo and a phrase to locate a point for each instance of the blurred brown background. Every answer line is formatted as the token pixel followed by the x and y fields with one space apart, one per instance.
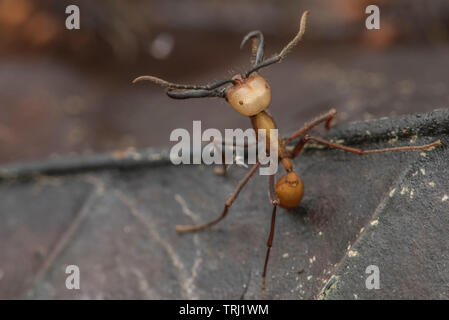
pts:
pixel 65 91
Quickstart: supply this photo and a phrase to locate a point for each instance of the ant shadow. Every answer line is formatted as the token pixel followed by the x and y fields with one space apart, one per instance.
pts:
pixel 315 213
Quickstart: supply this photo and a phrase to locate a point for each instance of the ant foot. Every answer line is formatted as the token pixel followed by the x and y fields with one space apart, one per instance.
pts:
pixel 219 171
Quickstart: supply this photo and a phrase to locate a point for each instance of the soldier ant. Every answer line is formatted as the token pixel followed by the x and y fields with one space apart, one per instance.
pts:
pixel 250 95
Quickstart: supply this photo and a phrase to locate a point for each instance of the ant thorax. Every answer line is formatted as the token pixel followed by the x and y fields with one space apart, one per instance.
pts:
pixel 249 96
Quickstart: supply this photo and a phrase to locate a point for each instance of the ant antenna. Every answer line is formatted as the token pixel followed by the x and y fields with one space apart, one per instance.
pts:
pixel 286 49
pixel 189 91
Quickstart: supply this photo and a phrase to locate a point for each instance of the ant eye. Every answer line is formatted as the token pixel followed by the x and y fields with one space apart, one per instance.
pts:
pixel 250 96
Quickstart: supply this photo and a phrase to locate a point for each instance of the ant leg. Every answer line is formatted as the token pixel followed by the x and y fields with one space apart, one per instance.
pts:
pixel 306 139
pixel 298 148
pixel 326 117
pixel 220 145
pixel 274 201
pixel 223 169
pixel 231 198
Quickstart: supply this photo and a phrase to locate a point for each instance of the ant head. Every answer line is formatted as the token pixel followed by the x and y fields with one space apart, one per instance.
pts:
pixel 249 95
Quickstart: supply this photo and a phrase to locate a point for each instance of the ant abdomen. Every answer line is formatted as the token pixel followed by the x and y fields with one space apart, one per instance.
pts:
pixel 249 96
pixel 289 190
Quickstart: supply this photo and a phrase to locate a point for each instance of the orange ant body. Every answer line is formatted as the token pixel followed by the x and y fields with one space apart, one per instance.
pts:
pixel 250 95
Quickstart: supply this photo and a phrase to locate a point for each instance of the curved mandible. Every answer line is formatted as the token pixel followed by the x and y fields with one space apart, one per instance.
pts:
pixel 170 85
pixel 257 52
pixel 197 93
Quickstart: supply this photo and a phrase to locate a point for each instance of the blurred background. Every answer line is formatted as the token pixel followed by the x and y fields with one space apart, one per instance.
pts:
pixel 69 91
